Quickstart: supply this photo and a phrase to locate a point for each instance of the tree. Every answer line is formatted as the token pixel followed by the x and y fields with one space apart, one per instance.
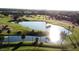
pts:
pixel 0 31
pixel 36 42
pixel 1 40
pixel 63 37
pixel 72 29
pixel 8 31
pixel 18 32
pixel 23 37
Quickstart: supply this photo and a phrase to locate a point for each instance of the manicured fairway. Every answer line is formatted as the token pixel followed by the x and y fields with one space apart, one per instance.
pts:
pixel 46 46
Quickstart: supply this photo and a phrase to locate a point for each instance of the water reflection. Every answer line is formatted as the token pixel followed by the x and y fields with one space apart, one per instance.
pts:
pixel 55 33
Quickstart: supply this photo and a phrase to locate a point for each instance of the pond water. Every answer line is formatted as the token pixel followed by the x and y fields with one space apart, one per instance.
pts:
pixel 27 38
pixel 54 32
pixel 34 25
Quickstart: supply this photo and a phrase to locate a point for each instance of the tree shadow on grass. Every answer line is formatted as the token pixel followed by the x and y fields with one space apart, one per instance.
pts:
pixel 36 46
pixel 17 46
pixel 72 43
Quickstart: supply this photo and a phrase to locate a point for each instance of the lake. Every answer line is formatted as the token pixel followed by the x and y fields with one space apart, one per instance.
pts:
pixel 54 32
pixel 34 25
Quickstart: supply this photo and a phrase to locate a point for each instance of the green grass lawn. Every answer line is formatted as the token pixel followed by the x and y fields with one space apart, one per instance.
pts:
pixel 14 26
pixel 46 47
pixel 28 47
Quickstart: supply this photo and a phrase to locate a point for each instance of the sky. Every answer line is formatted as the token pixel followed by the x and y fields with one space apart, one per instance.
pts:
pixel 41 4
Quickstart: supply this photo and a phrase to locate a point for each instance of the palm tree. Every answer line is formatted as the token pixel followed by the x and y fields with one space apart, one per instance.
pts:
pixel 73 27
pixel 32 33
pixel 8 31
pixel 0 31
pixel 1 40
pixel 72 42
pixel 23 37
pixel 70 37
pixel 63 36
pixel 36 41
pixel 18 32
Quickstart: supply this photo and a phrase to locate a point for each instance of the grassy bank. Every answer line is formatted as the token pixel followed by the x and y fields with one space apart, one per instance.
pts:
pixel 14 26
pixel 27 46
